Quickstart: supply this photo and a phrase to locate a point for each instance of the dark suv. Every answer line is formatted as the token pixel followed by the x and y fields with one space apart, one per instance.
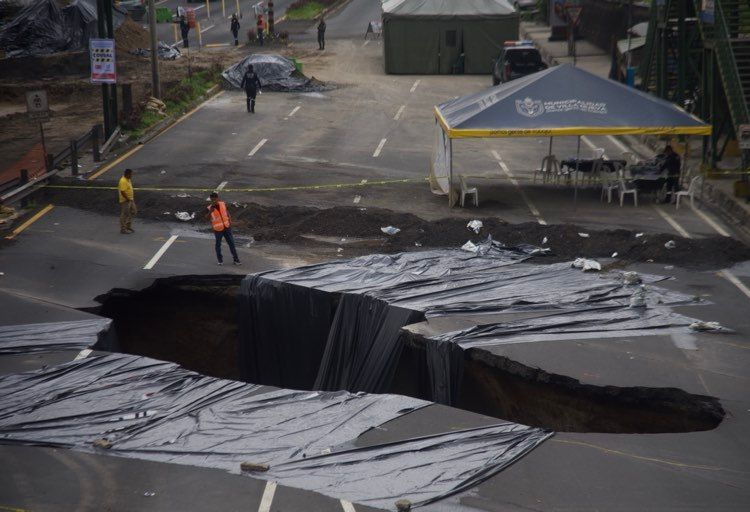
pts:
pixel 517 59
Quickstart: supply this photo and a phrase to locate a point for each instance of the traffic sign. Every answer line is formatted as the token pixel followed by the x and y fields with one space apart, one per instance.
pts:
pixel 37 106
pixel 103 67
pixel 573 13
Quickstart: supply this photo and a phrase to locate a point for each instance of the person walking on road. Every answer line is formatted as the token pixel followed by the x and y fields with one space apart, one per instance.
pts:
pixel 322 34
pixel 222 226
pixel 260 26
pixel 184 30
pixel 235 28
pixel 251 84
pixel 127 202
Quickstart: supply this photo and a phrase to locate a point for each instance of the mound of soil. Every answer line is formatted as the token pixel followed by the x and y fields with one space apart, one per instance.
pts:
pixel 290 224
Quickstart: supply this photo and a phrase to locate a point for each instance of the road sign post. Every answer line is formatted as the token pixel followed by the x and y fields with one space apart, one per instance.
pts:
pixel 573 15
pixel 37 108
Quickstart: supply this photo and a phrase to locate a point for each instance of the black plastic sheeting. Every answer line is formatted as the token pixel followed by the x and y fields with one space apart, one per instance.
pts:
pixel 276 73
pixel 153 410
pixel 338 325
pixel 44 27
pixel 53 336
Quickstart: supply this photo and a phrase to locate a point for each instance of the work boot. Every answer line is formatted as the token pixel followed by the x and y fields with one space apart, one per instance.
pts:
pixel 237 262
pixel 220 263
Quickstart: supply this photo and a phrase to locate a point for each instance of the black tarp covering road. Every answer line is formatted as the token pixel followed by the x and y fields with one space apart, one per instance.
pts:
pixel 53 336
pixel 153 410
pixel 342 320
pixel 276 73
pixel 45 27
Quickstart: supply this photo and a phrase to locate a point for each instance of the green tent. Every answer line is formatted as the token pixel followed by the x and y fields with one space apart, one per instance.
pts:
pixel 429 36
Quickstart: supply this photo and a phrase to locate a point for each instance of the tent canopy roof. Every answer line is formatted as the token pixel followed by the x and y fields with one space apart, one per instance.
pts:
pixel 564 100
pixel 446 8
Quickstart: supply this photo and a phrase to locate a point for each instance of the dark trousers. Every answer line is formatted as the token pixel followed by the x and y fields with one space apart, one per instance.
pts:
pixel 250 101
pixel 236 42
pixel 260 36
pixel 185 40
pixel 227 234
pixel 321 40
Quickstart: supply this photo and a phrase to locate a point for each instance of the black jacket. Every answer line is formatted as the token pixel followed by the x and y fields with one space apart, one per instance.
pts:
pixel 235 25
pixel 322 27
pixel 250 82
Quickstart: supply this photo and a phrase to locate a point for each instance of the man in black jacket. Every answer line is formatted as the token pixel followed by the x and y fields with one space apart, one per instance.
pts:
pixel 235 28
pixel 184 30
pixel 251 84
pixel 670 163
pixel 322 34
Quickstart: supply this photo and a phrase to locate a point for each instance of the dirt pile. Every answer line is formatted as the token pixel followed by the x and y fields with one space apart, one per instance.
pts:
pixel 294 224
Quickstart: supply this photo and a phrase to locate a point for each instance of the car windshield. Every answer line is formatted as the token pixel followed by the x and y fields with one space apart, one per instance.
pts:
pixel 524 57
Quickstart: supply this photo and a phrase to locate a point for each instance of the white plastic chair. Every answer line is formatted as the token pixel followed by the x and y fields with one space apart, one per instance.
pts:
pixel 629 157
pixel 598 153
pixel 624 190
pixel 695 184
pixel 609 184
pixel 466 191
pixel 550 168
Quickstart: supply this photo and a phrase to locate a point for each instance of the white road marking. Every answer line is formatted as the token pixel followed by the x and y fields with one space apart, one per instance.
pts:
pixel 366 43
pixel 257 147
pixel 196 8
pixel 347 506
pixel 83 354
pixel 414 87
pixel 357 199
pixel 708 220
pixel 294 111
pixel 739 284
pixel 399 112
pixel 207 28
pixel 682 231
pixel 267 499
pixel 221 186
pixel 216 45
pixel 514 181
pixel 379 148
pixel 160 253
pixel 620 145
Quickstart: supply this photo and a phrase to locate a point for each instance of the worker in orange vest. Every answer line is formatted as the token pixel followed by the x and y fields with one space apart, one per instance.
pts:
pixel 261 25
pixel 222 225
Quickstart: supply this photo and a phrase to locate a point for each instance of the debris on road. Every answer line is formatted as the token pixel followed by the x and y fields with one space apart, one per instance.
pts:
pixel 583 235
pixel 670 245
pixel 469 247
pixel 475 225
pixel 276 73
pixel 701 326
pixel 164 51
pixel 638 235
pixel 586 265
pixel 638 299
pixel 390 230
pixel 148 494
pixel 631 277
pixel 185 216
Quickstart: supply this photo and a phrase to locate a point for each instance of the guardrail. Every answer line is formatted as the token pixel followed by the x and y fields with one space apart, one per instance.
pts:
pixel 18 188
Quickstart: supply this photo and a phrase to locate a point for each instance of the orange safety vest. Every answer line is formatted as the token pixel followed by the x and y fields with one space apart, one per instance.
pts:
pixel 219 216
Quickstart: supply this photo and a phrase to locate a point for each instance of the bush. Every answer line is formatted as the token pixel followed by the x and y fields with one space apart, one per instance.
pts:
pixel 283 35
pixel 251 35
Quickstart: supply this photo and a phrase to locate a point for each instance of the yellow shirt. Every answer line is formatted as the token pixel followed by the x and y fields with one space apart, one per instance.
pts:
pixel 125 188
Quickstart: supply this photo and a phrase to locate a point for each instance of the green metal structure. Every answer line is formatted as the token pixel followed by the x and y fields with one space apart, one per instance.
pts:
pixel 702 61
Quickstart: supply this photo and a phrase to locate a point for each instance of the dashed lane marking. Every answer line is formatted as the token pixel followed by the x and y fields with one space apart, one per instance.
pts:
pixel 682 231
pixel 221 186
pixel 347 506
pixel 257 147
pixel 708 220
pixel 267 500
pixel 414 87
pixel 294 111
pixel 207 28
pixel 620 145
pixel 379 148
pixel 38 215
pixel 739 284
pixel 160 253
pixel 366 43
pixel 533 209
pixel 399 112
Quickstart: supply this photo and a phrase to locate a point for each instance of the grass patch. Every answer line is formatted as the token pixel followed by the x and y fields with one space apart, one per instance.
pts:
pixel 176 99
pixel 306 11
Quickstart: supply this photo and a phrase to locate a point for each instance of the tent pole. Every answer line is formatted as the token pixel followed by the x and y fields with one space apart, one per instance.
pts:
pixel 550 147
pixel 450 173
pixel 575 189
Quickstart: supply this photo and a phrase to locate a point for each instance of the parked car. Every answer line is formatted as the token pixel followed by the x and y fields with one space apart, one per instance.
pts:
pixel 525 5
pixel 517 59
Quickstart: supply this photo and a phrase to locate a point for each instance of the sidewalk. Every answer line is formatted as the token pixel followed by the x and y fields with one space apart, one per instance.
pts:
pixel 717 193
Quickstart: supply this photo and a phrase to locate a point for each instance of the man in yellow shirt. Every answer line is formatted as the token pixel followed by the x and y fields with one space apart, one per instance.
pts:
pixel 127 202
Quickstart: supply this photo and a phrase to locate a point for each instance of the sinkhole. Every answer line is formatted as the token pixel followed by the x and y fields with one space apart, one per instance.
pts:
pixel 207 324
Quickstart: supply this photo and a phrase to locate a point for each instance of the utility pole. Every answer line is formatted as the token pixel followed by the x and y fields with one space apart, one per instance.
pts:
pixel 155 84
pixel 100 25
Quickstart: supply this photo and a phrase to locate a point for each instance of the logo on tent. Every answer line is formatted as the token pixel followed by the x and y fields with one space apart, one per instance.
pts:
pixel 530 108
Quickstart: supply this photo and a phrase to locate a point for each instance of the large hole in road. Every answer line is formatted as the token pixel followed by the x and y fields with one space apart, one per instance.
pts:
pixel 193 321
